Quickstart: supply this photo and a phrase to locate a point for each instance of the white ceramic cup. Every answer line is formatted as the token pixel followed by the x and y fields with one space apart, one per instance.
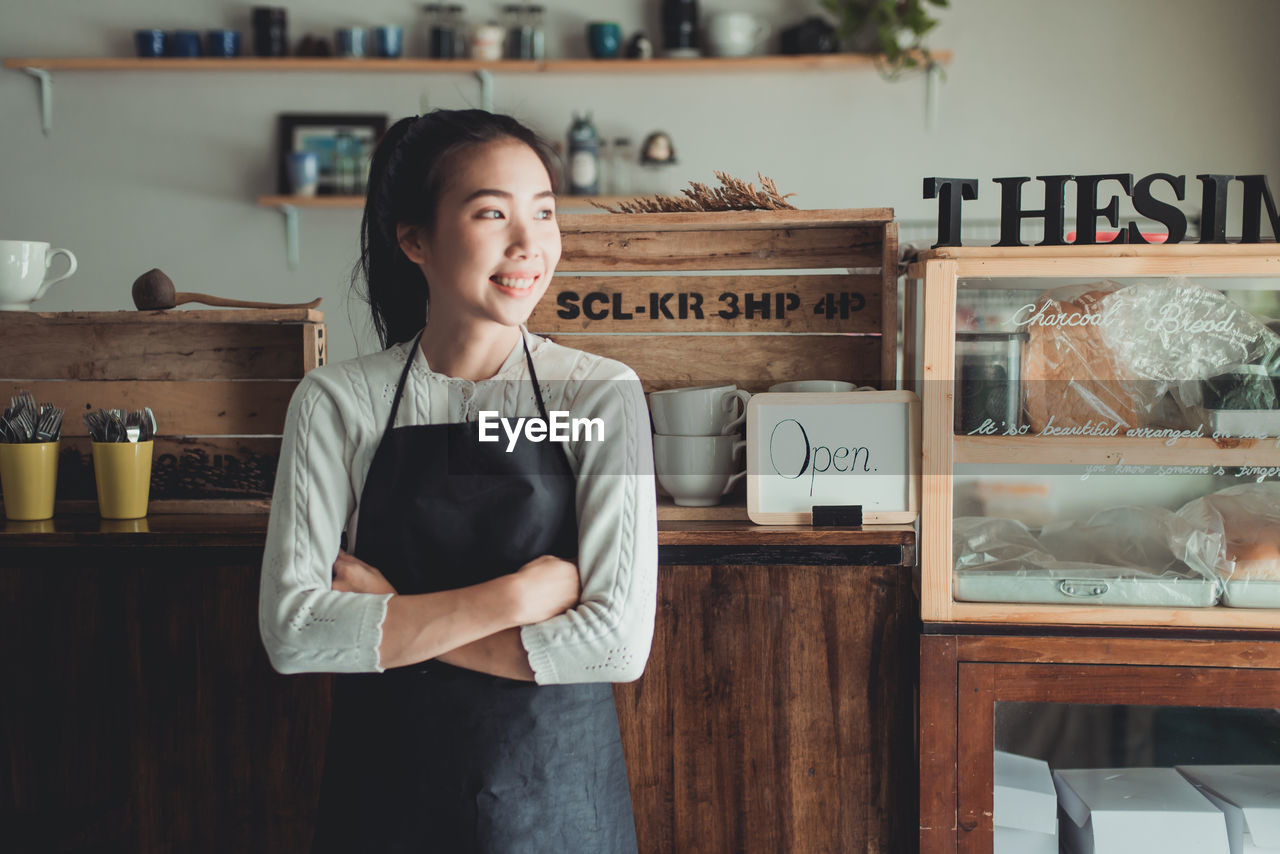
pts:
pixel 708 410
pixel 697 471
pixel 735 33
pixel 816 385
pixel 24 272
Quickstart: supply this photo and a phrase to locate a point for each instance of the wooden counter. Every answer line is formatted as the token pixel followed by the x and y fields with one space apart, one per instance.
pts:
pixel 223 530
pixel 777 711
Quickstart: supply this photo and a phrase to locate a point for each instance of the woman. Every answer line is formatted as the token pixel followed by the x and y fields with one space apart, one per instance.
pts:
pixel 493 588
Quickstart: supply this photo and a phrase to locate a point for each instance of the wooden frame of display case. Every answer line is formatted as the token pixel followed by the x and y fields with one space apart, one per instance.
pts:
pixel 934 304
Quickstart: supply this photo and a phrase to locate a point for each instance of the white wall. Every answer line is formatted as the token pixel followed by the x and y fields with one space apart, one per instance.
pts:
pixel 161 170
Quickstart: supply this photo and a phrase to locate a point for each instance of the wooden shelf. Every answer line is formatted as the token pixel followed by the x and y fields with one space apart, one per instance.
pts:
pixel 814 62
pixel 42 68
pixel 80 525
pixel 196 528
pixel 712 532
pixel 1068 450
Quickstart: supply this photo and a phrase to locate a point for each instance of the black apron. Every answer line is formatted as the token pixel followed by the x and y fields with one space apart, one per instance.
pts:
pixel 436 758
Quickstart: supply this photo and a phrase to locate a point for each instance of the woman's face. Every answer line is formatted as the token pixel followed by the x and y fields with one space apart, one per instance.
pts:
pixel 495 244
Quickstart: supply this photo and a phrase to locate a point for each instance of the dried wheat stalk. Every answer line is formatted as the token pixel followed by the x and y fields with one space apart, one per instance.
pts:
pixel 733 195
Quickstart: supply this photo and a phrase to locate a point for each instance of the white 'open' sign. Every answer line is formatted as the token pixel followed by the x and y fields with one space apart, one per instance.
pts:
pixel 833 448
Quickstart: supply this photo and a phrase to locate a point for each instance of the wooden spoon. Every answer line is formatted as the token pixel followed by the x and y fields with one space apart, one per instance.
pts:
pixel 153 291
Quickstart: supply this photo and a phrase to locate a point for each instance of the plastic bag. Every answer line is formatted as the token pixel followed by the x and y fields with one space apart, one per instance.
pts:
pixel 1246 519
pixel 1105 354
pixel 1119 556
pixel 1178 331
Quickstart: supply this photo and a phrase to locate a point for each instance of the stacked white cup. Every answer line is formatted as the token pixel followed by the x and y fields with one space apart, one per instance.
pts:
pixel 696 443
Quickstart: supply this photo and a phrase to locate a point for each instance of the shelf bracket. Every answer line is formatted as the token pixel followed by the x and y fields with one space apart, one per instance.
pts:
pixel 291 234
pixel 46 97
pixel 485 76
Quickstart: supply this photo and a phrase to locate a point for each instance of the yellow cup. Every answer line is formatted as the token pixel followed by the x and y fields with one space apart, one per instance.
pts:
pixel 122 471
pixel 123 526
pixel 30 526
pixel 29 478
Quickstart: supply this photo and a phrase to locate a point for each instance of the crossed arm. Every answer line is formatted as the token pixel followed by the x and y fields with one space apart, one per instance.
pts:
pixel 476 627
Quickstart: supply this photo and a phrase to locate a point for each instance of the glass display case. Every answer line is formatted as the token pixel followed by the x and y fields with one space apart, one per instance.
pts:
pixel 1101 434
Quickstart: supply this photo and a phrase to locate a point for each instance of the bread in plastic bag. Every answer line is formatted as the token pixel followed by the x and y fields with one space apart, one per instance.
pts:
pixel 1069 374
pixel 1246 518
pixel 1109 354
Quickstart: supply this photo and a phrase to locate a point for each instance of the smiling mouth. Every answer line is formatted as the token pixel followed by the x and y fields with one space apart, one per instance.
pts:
pixel 517 284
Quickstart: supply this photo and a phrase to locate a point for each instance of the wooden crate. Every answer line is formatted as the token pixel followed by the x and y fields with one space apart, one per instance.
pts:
pixel 932 284
pixel 219 383
pixel 751 298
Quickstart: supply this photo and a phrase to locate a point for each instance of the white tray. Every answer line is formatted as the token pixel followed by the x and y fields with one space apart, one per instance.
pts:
pixel 1248 593
pixel 1085 587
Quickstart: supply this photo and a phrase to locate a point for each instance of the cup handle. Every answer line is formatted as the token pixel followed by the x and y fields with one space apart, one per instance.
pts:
pixel 48 262
pixel 739 445
pixel 734 478
pixel 739 394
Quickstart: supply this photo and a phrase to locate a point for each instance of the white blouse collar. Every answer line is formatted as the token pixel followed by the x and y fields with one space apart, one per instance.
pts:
pixel 512 366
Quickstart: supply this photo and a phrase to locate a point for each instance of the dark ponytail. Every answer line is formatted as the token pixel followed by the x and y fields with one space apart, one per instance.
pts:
pixel 407 176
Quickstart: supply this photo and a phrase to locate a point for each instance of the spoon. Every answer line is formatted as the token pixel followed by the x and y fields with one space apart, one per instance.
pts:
pixel 153 290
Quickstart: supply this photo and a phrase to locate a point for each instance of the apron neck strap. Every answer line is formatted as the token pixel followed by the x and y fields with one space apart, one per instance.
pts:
pixel 533 376
pixel 413 352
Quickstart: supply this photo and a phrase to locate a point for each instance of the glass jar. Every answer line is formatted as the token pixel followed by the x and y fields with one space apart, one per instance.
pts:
pixel 536 16
pixel 516 19
pixel 623 158
pixel 453 16
pixel 486 42
pixel 440 36
pixel 988 393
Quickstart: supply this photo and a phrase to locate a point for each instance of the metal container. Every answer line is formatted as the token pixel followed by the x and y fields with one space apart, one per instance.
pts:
pixel 988 387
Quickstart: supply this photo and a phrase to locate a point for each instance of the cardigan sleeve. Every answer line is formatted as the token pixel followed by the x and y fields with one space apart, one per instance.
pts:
pixel 305 625
pixel 606 637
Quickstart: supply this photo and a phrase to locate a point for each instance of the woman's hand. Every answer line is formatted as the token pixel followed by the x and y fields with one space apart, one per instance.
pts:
pixel 352 575
pixel 545 587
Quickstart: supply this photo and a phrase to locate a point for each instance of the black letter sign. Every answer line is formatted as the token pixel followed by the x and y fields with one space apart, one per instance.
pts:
pixel 1087 210
pixel 944 189
pixel 1162 212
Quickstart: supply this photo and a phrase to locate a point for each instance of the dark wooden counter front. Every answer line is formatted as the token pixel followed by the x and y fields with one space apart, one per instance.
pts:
pixel 140 713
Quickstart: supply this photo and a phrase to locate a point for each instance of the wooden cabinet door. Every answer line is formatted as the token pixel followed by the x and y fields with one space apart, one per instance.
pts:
pixel 964 678
pixel 776 712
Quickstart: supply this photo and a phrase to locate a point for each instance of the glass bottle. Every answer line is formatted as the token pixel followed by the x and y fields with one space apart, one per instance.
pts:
pixel 454 20
pixel 536 17
pixel 604 158
pixel 344 178
pixel 584 157
pixel 624 156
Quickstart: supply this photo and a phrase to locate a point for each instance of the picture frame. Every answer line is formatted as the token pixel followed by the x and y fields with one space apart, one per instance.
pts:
pixel 833 449
pixel 343 143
